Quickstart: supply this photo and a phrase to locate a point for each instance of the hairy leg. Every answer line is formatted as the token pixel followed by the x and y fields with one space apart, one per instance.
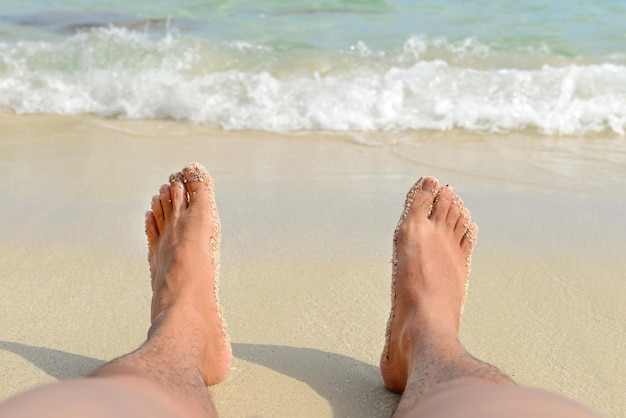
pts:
pixel 187 347
pixel 432 249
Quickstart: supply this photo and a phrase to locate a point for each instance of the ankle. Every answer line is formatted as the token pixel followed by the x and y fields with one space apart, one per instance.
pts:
pixel 432 341
pixel 179 320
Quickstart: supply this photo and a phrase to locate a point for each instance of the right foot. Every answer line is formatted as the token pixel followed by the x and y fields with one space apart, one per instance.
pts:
pixel 432 249
pixel 183 232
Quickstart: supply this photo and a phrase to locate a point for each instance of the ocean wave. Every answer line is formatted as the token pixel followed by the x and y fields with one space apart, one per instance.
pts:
pixel 116 72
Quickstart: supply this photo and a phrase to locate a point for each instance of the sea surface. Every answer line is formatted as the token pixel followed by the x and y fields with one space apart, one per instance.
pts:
pixel 551 67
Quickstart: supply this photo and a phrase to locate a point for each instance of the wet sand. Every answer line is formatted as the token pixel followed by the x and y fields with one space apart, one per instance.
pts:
pixel 307 222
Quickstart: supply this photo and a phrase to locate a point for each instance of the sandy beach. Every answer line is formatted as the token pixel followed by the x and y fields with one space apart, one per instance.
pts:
pixel 307 222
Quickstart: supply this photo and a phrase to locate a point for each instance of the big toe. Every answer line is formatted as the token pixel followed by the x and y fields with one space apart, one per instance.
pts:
pixel 417 207
pixel 419 200
pixel 198 182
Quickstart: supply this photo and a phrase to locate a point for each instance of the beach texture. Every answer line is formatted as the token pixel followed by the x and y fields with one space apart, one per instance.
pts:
pixel 307 225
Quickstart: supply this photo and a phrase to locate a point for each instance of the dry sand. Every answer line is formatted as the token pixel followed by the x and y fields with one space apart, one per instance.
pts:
pixel 307 223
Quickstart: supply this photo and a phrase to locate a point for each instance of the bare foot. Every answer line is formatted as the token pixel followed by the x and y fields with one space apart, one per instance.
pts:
pixel 432 248
pixel 183 230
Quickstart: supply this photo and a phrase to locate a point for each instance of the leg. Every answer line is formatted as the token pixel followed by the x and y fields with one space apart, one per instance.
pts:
pixel 423 354
pixel 431 262
pixel 187 347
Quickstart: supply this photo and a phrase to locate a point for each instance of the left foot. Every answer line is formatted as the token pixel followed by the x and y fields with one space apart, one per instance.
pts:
pixel 183 230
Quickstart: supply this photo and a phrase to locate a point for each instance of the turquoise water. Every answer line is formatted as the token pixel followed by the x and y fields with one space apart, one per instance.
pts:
pixel 553 67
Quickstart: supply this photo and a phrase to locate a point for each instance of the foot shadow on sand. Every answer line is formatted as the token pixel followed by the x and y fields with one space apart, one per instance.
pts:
pixel 351 387
pixel 55 363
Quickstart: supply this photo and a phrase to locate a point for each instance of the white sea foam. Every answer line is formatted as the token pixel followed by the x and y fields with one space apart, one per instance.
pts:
pixel 119 73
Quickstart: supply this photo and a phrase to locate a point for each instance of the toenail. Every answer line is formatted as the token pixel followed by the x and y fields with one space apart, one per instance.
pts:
pixel 447 191
pixel 428 187
pixel 176 177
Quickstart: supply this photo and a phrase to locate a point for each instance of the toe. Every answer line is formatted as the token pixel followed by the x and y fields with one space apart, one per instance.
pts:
pixel 152 230
pixel 420 198
pixel 166 200
pixel 198 183
pixel 157 212
pixel 179 197
pixel 177 176
pixel 454 213
pixel 462 224
pixel 442 204
pixel 469 239
pixel 177 189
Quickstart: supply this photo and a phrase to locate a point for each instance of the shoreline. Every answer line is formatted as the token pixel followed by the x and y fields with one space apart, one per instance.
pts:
pixel 307 225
